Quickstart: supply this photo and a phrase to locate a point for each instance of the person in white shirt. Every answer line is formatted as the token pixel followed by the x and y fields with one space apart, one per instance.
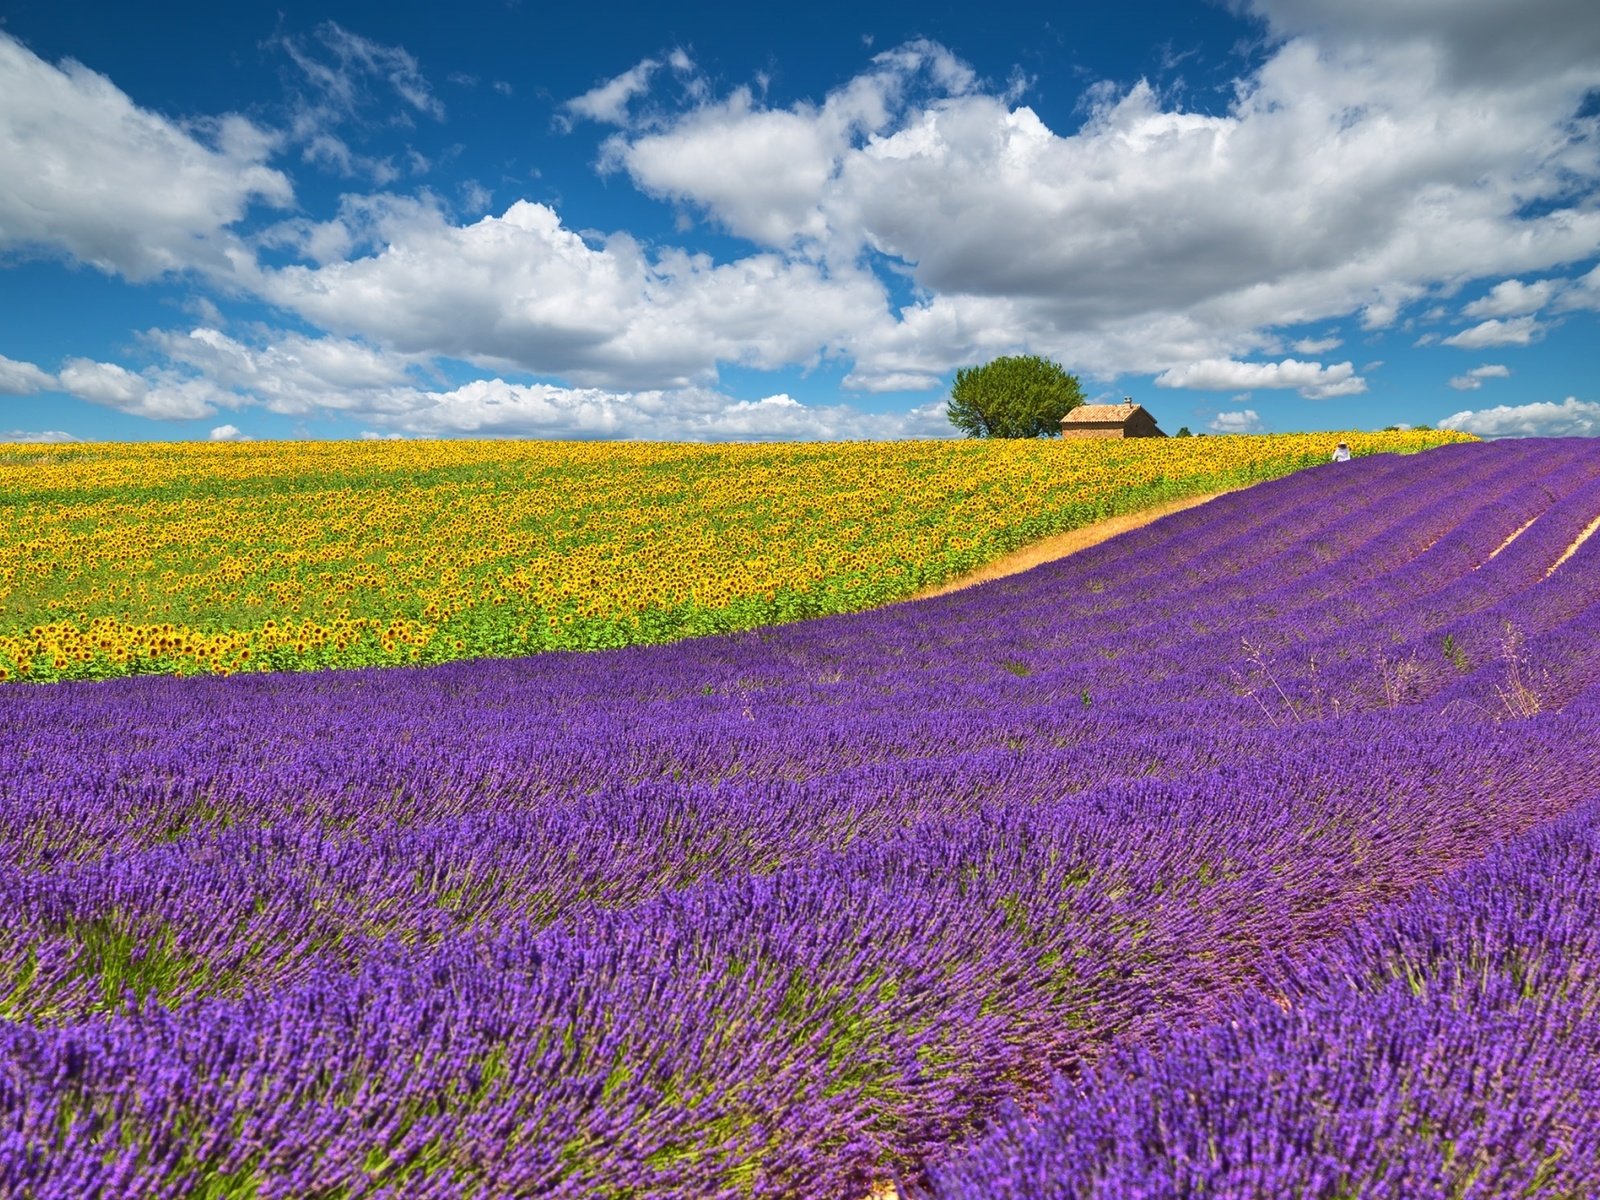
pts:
pixel 1341 453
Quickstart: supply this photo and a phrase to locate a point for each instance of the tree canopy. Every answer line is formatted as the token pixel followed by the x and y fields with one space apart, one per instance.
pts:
pixel 1013 397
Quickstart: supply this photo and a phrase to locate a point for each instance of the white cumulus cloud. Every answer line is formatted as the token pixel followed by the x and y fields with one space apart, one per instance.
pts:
pixel 1512 298
pixel 1531 42
pixel 286 372
pixel 1474 378
pixel 1310 379
pixel 1245 421
pixel 1570 418
pixel 161 395
pixel 1583 293
pixel 292 374
pixel 1149 236
pixel 86 171
pixel 1516 331
pixel 522 291
pixel 493 407
pixel 22 378
pixel 1369 161
pixel 763 171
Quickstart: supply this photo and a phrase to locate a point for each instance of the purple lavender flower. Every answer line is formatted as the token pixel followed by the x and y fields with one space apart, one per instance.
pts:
pixel 780 913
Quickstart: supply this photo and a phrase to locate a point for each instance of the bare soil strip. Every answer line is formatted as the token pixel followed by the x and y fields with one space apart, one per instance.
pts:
pixel 1062 544
pixel 1588 531
pixel 1520 531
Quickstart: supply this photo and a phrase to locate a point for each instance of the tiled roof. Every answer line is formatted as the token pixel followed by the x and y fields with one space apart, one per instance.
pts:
pixel 1102 412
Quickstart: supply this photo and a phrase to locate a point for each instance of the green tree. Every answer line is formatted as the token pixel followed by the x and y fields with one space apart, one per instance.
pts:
pixel 1183 431
pixel 1013 397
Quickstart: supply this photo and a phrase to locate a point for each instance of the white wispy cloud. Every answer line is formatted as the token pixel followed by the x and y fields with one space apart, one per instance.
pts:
pixel 1310 379
pixel 352 83
pixel 341 67
pixel 1582 293
pixel 1316 345
pixel 608 102
pixel 45 436
pixel 1515 331
pixel 1570 418
pixel 1474 378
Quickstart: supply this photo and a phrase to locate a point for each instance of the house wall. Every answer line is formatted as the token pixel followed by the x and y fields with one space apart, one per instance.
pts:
pixel 1142 424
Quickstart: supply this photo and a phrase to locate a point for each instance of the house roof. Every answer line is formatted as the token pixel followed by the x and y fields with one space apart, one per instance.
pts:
pixel 1096 413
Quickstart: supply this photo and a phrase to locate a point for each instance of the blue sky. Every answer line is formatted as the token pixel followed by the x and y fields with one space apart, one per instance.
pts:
pixel 364 220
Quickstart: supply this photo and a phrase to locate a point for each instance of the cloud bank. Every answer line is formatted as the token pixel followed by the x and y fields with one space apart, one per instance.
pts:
pixel 1312 380
pixel 204 370
pixel 1571 418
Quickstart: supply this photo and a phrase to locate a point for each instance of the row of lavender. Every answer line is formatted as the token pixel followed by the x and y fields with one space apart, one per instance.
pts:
pixel 1449 1048
pixel 764 915
pixel 785 1034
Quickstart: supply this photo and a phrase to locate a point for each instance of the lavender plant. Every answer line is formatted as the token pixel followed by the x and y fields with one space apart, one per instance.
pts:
pixel 1449 1047
pixel 781 913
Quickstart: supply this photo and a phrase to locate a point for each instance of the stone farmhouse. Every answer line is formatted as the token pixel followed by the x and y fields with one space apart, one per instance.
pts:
pixel 1123 420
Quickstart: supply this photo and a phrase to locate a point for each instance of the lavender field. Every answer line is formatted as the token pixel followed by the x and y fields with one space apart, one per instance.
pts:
pixel 1251 854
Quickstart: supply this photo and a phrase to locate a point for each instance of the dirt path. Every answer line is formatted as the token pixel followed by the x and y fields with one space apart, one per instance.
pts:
pixel 1062 544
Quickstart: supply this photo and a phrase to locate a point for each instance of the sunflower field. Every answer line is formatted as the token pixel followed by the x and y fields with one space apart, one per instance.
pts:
pixel 183 558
